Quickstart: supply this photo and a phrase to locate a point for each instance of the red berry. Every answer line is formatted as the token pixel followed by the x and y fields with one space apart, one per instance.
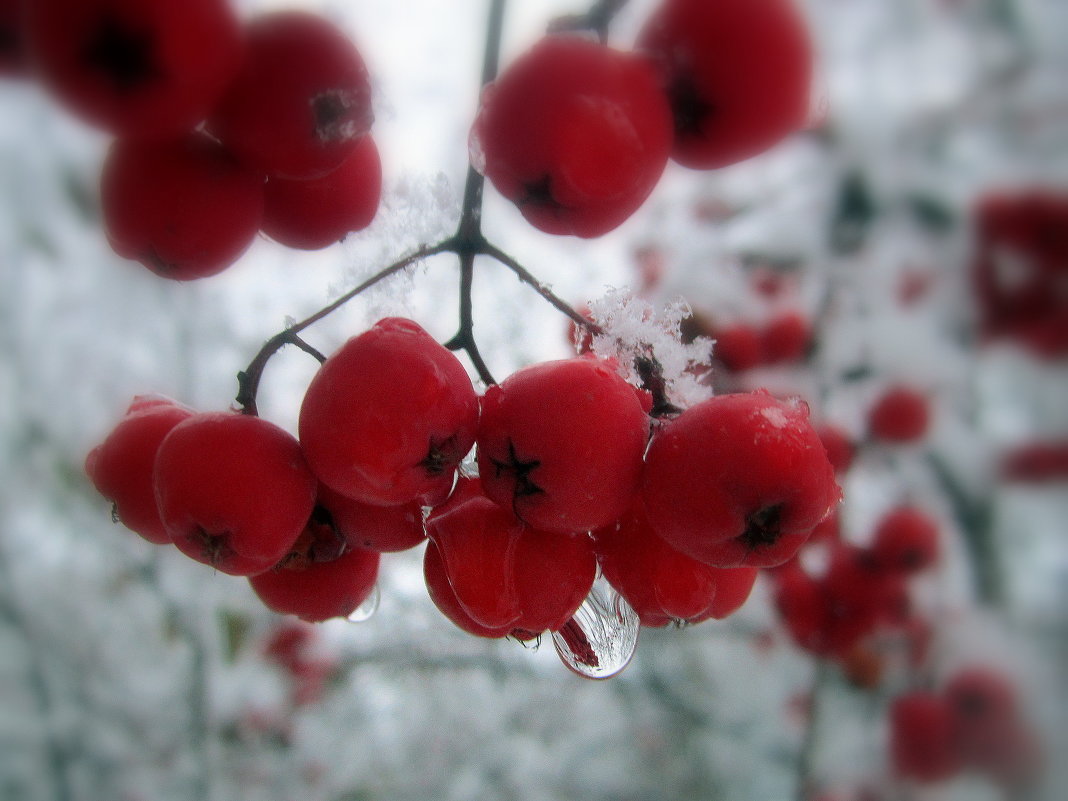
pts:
pixel 906 540
pixel 662 585
pixel 504 573
pixel 984 710
pixel 135 67
pixel 444 597
pixel 12 46
pixel 560 444
pixel 785 338
pixel 736 73
pixel 899 415
pixel 921 737
pixel 738 480
pixel 1036 462
pixel 121 466
pixel 233 491
pixel 839 445
pixel 738 347
pixel 317 591
pixel 802 604
pixel 575 134
pixel 317 212
pixel 389 416
pixel 379 528
pixel 183 208
pixel 302 100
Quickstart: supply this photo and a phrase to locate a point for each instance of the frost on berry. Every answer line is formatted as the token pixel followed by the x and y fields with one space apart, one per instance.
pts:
pixel 634 329
pixel 738 480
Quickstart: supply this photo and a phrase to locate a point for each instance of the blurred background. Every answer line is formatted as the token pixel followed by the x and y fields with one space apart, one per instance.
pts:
pixel 129 673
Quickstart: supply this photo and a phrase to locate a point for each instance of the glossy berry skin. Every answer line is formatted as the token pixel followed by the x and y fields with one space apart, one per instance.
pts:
pixel 506 574
pixel 121 466
pixel 575 134
pixel 899 415
pixel 444 597
pixel 233 491
pixel 319 591
pixel 135 67
pixel 906 540
pixel 921 737
pixel 738 480
pixel 662 585
pixel 736 72
pixel 317 212
pixel 389 416
pixel 378 528
pixel 560 444
pixel 184 208
pixel 302 100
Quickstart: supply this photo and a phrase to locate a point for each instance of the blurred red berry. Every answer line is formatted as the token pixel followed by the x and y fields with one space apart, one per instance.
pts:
pixel 900 415
pixel 576 134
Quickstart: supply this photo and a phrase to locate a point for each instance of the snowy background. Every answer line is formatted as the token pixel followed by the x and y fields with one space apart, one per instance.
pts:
pixel 129 673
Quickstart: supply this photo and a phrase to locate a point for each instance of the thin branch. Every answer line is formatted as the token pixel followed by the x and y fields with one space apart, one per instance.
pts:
pixel 597 19
pixel 528 278
pixel 248 380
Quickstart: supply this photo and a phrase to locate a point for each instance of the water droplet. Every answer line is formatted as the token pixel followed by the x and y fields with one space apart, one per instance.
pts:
pixel 366 610
pixel 601 637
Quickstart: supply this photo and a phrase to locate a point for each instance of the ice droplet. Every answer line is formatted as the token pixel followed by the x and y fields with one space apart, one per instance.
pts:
pixel 364 612
pixel 601 637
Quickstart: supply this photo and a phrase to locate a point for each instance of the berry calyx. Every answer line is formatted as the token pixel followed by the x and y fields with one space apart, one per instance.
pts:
pixel 738 480
pixel 560 444
pixel 233 491
pixel 389 416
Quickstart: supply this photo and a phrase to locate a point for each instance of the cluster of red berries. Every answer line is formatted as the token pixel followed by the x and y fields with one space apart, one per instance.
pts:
pixel 783 339
pixel 573 471
pixel 861 592
pixel 223 129
pixel 973 722
pixel 1020 269
pixel 577 134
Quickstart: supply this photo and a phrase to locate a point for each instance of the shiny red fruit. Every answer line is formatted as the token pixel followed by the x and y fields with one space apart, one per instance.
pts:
pixel 378 528
pixel 318 591
pixel 560 444
pixel 121 466
pixel 738 480
pixel 184 208
pixel 389 416
pixel 135 67
pixel 233 491
pixel 317 212
pixel 736 73
pixel 575 134
pixel 662 585
pixel 302 101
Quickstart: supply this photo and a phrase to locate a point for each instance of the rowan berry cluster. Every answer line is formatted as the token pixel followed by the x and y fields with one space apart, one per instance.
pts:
pixel 971 723
pixel 573 471
pixel 223 128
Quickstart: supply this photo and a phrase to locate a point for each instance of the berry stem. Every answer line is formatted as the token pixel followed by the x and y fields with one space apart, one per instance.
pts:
pixel 248 380
pixel 597 19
